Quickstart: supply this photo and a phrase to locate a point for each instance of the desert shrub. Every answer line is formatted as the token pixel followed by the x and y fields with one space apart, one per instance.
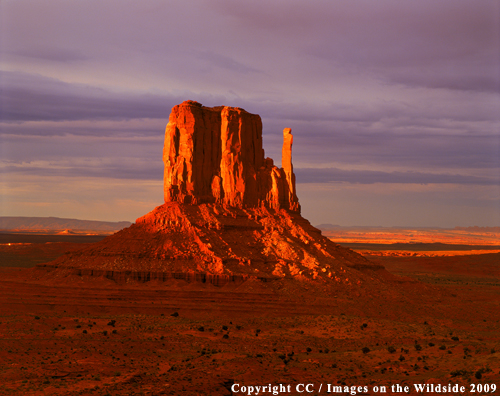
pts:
pixel 431 344
pixel 175 314
pixel 479 373
pixel 365 350
pixel 37 317
pixel 401 358
pixel 224 327
pixel 455 338
pixel 418 347
pixel 225 336
pixel 459 373
pixel 308 349
pixel 442 347
pixel 201 328
pixel 391 349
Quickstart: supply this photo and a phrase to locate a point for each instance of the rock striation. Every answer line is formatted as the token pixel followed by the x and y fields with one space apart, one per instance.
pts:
pixel 229 215
pixel 215 155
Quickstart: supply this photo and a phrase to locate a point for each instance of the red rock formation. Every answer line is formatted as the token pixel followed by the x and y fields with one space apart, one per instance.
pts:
pixel 229 214
pixel 215 155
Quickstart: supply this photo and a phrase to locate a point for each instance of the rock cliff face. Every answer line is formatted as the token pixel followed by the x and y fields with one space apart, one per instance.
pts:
pixel 215 155
pixel 229 215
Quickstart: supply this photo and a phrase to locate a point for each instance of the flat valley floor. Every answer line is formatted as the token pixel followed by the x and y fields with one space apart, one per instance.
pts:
pixel 91 336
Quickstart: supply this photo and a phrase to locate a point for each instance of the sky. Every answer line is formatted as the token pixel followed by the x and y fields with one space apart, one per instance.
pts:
pixel 394 105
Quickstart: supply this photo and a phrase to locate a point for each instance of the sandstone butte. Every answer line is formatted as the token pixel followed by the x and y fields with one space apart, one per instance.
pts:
pixel 229 215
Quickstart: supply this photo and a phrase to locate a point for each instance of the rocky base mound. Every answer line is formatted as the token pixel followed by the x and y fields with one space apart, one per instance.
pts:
pixel 218 244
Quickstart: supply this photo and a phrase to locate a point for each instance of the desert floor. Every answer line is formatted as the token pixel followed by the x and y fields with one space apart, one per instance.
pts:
pixel 91 336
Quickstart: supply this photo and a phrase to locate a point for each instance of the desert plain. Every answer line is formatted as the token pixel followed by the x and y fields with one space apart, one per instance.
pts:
pixel 79 335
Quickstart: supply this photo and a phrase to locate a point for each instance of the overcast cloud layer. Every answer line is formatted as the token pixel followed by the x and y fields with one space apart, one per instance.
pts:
pixel 391 102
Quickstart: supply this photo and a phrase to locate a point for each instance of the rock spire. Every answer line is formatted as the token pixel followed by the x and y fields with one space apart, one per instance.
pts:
pixel 215 155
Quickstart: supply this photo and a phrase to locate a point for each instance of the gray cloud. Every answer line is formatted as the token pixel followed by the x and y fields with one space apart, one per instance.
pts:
pixel 116 170
pixel 450 44
pixel 225 62
pixel 334 175
pixel 50 54
pixel 27 97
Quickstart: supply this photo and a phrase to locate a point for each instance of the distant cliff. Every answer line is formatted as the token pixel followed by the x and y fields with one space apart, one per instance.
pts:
pixel 56 224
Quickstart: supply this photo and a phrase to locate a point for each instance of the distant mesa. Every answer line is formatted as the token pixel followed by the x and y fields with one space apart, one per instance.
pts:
pixel 229 214
pixel 56 225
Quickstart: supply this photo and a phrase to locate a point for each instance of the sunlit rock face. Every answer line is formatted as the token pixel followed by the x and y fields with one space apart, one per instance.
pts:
pixel 229 214
pixel 215 155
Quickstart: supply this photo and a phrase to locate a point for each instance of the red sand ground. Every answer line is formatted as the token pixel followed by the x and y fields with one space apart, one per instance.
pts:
pixel 92 336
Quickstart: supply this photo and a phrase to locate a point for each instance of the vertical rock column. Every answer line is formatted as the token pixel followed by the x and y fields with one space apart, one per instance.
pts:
pixel 291 199
pixel 191 153
pixel 242 154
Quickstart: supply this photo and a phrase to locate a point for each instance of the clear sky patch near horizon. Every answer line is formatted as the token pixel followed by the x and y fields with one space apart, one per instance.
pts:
pixel 394 106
